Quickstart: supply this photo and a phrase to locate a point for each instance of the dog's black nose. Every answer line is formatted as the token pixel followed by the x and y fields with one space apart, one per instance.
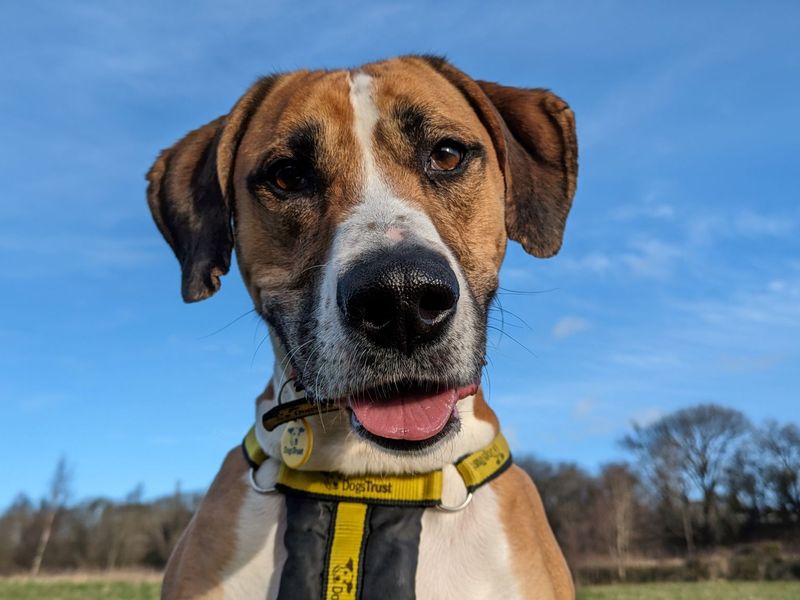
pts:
pixel 399 298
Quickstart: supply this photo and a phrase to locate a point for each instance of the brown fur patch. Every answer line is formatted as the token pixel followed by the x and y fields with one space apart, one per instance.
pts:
pixel 197 564
pixel 483 412
pixel 537 560
pixel 280 243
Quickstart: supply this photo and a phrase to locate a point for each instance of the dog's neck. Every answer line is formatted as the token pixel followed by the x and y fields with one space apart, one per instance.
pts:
pixel 337 448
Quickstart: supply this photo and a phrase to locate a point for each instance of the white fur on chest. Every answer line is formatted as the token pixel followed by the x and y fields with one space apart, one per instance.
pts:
pixel 465 554
pixel 260 554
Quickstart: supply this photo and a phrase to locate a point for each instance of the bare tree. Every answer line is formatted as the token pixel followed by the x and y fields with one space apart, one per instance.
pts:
pixel 781 447
pixel 567 491
pixel 617 498
pixel 688 451
pixel 57 497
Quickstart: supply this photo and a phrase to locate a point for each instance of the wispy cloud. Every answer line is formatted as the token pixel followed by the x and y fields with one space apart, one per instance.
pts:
pixel 86 253
pixel 646 416
pixel 595 262
pixel 738 365
pixel 653 206
pixel 641 257
pixel 648 210
pixel 751 223
pixel 775 303
pixel 645 359
pixel 651 257
pixel 704 229
pixel 569 326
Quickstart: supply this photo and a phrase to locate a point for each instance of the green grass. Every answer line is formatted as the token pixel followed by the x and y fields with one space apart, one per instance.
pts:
pixel 54 589
pixel 694 591
pixel 77 590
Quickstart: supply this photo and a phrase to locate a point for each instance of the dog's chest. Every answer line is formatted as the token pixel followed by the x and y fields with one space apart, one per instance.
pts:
pixel 425 554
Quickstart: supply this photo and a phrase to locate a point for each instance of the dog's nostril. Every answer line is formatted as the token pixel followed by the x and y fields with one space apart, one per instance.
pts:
pixel 434 302
pixel 374 308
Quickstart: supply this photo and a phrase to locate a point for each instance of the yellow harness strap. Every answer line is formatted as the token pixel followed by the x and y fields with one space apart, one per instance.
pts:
pixel 344 558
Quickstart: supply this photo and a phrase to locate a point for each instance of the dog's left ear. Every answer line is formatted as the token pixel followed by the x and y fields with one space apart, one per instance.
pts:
pixel 533 132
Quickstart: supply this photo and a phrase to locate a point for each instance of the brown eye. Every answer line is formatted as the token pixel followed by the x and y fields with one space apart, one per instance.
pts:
pixel 446 156
pixel 288 175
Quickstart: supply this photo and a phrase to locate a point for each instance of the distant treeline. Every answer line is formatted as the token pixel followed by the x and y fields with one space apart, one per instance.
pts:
pixel 705 495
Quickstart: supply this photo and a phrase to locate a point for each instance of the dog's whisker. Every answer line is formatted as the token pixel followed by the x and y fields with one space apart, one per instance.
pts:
pixel 513 339
pixel 510 292
pixel 311 268
pixel 255 352
pixel 236 320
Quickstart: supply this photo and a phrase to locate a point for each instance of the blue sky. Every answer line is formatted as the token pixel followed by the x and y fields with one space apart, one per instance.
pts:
pixel 678 283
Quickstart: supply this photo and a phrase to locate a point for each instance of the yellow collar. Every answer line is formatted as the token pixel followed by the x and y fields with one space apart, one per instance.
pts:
pixel 425 489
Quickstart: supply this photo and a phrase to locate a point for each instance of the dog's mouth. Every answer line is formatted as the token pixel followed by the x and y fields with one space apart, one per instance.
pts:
pixel 408 416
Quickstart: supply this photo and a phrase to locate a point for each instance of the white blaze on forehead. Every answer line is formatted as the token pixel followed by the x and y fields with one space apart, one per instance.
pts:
pixel 375 193
pixel 380 218
pixel 366 117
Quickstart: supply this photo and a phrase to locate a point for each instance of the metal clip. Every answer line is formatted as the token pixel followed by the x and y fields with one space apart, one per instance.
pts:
pixel 457 508
pixel 257 488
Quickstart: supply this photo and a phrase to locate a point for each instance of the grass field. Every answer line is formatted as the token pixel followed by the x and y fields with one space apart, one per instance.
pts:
pixel 54 589
pixel 691 591
pixel 70 589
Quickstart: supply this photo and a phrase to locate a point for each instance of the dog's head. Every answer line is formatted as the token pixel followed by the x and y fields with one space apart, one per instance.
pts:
pixel 370 211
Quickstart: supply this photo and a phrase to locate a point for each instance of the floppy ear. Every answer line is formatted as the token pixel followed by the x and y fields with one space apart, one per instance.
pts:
pixel 188 206
pixel 189 196
pixel 533 131
pixel 541 165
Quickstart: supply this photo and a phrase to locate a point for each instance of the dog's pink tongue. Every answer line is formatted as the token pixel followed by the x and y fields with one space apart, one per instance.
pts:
pixel 412 417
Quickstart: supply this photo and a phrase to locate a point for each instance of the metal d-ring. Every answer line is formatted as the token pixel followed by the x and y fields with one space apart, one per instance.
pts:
pixel 458 508
pixel 257 488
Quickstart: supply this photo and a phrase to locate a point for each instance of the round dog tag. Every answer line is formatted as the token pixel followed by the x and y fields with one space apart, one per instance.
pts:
pixel 297 441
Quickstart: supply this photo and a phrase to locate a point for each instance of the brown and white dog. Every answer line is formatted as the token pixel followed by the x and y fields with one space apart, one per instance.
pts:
pixel 370 210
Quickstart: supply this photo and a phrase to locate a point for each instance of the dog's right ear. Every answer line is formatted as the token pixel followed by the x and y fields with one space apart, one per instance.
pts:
pixel 189 197
pixel 188 206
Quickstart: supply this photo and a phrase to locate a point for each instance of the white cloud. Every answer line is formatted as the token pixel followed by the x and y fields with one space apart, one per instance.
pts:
pixel 652 206
pixel 643 257
pixel 750 364
pixel 568 326
pixel 651 257
pixel 774 303
pixel 752 224
pixel 645 360
pixel 704 229
pixel 647 416
pixel 594 262
pixel 648 210
pixel 85 253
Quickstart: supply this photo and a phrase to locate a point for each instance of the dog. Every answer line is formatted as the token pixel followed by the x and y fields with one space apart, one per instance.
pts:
pixel 370 210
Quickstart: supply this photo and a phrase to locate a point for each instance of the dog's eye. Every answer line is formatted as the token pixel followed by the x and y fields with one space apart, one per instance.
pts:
pixel 446 156
pixel 289 175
